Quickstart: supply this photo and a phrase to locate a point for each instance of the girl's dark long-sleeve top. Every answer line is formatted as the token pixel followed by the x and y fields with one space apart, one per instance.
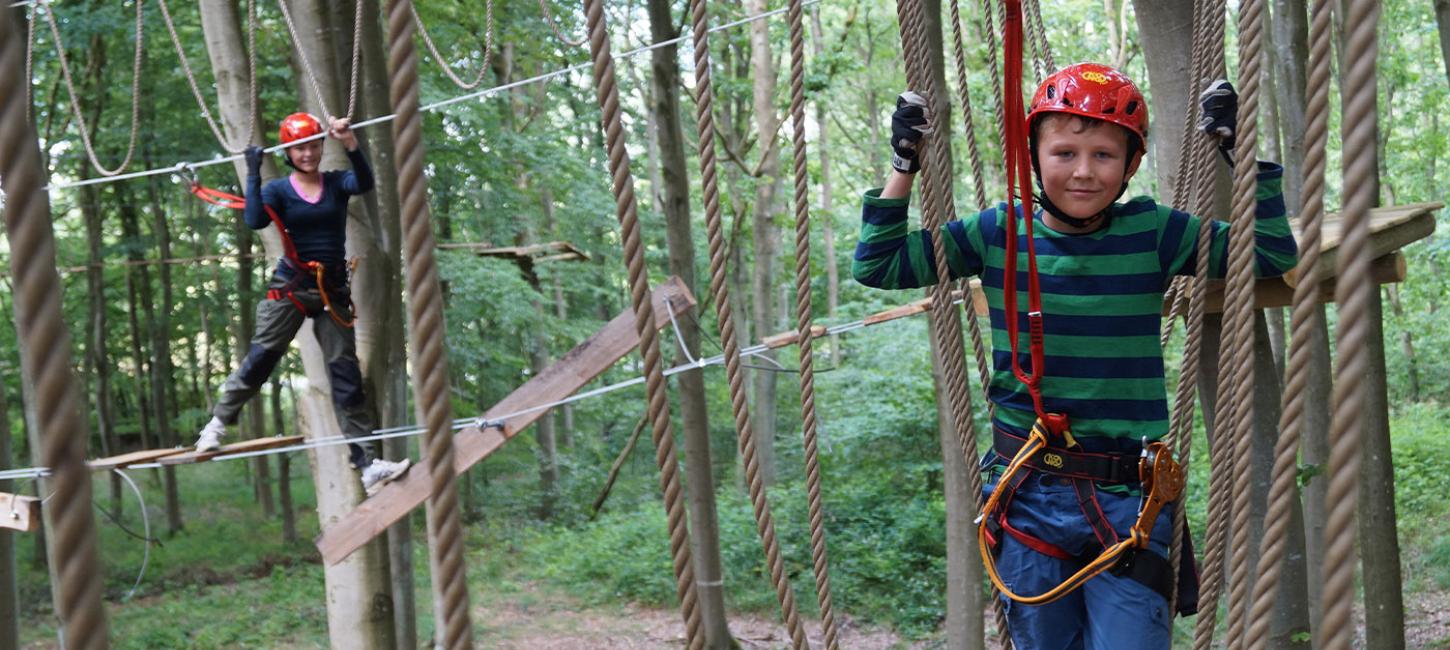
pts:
pixel 1102 298
pixel 318 230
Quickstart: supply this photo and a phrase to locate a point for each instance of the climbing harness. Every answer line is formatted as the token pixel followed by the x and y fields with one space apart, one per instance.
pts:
pixel 1050 447
pixel 300 268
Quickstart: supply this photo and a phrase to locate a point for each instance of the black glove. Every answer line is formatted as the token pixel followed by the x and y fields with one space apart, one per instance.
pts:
pixel 254 154
pixel 909 123
pixel 1220 115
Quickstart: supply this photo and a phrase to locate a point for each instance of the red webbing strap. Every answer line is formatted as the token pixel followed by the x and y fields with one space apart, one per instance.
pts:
pixel 1019 179
pixel 227 200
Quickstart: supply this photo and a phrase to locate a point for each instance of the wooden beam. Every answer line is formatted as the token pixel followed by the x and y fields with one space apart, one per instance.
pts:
pixel 255 444
pixel 1275 292
pixel 470 445
pixel 19 512
pixel 133 458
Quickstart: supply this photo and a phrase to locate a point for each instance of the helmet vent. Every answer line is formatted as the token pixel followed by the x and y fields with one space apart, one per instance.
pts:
pixel 1051 92
pixel 1067 102
pixel 1132 106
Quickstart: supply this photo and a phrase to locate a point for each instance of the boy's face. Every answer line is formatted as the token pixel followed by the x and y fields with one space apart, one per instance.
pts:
pixel 1082 165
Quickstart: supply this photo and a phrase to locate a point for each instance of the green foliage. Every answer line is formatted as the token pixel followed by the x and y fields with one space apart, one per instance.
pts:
pixel 1422 479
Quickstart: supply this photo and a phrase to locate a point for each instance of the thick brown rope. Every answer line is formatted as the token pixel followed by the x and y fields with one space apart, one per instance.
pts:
pixel 1194 162
pixel 1283 489
pixel 719 290
pixel 201 103
pixel 426 329
pixel 974 327
pixel 819 561
pixel 622 184
pixel 1360 53
pixel 46 351
pixel 1239 311
pixel 483 67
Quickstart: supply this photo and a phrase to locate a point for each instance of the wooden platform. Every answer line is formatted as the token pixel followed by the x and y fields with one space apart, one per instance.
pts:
pixel 1391 229
pixel 563 378
pixel 185 455
pixel 19 512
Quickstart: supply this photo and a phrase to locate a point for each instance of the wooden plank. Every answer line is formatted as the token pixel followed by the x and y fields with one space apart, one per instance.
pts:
pixel 19 512
pixel 255 444
pixel 1274 292
pixel 133 458
pixel 1390 228
pixel 470 445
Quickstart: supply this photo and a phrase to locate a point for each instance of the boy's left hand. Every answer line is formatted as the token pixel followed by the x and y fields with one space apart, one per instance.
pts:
pixel 341 129
pixel 1220 113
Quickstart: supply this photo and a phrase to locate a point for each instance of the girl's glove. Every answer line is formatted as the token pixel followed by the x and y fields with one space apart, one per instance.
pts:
pixel 253 154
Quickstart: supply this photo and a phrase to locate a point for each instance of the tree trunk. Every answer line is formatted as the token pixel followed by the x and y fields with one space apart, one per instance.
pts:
pixel 360 603
pixel 96 355
pixel 1163 28
pixel 1384 606
pixel 827 215
pixel 378 289
pixel 1289 56
pixel 695 421
pixel 1315 455
pixel 284 467
pixel 1442 21
pixel 766 235
pixel 965 605
pixel 1407 344
pixel 136 277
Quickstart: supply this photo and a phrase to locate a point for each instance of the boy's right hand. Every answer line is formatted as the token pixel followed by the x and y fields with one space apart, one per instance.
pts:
pixel 253 154
pixel 909 123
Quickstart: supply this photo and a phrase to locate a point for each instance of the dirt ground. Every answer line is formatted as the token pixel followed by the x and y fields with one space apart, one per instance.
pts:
pixel 523 623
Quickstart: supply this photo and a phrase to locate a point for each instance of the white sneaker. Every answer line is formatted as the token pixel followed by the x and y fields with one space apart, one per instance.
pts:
pixel 211 434
pixel 382 472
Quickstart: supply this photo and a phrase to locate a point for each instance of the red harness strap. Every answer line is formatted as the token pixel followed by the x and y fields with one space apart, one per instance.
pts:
pixel 315 269
pixel 1019 181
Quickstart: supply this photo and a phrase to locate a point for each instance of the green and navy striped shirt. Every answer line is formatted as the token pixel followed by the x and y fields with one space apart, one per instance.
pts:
pixel 1102 298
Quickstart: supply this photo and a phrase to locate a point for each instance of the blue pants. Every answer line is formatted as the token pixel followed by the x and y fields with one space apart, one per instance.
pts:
pixel 1108 612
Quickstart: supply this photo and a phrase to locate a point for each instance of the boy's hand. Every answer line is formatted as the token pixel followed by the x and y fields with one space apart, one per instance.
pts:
pixel 341 128
pixel 909 123
pixel 1220 106
pixel 253 154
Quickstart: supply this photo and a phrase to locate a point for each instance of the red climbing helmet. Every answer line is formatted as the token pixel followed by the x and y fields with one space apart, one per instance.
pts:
pixel 297 126
pixel 1094 91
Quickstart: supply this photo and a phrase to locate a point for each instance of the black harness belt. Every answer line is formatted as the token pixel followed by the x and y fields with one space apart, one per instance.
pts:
pixel 1102 467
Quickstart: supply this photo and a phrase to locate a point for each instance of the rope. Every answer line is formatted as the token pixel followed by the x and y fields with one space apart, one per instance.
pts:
pixel 1282 489
pixel 1360 53
pixel 974 327
pixel 819 562
pixel 622 185
pixel 425 318
pixel 312 75
pixel 29 57
pixel 724 312
pixel 1239 311
pixel 145 531
pixel 46 352
pixel 549 18
pixel 75 100
pixel 201 103
pixel 443 63
pixel 481 94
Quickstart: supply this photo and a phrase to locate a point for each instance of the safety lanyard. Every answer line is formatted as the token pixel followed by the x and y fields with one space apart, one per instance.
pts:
pixel 1019 176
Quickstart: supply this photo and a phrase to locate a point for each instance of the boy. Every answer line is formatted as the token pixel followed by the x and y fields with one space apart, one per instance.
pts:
pixel 1103 268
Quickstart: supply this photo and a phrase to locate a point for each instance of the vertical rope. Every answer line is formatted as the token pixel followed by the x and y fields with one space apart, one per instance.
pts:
pixel 46 351
pixel 1282 490
pixel 426 328
pixel 1239 310
pixel 819 561
pixel 974 327
pixel 719 290
pixel 1347 430
pixel 622 184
